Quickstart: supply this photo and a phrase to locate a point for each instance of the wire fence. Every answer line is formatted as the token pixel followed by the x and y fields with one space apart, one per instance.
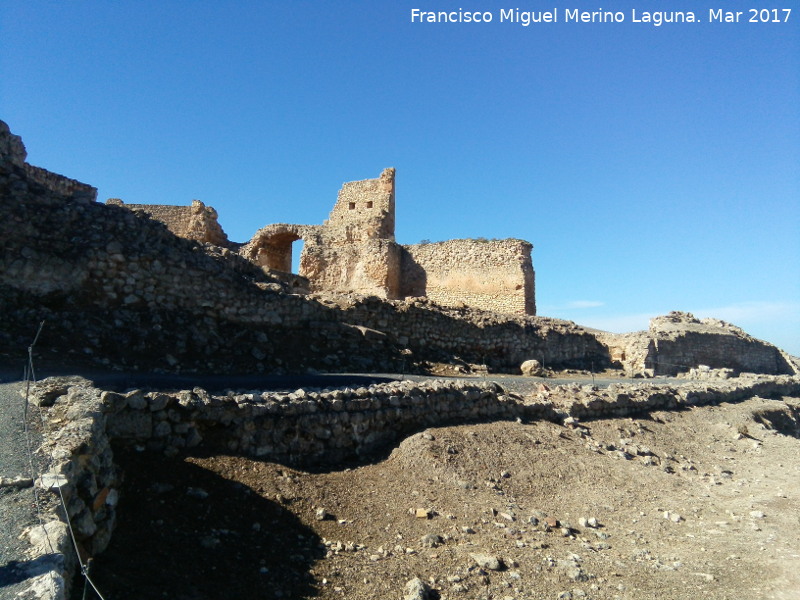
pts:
pixel 30 380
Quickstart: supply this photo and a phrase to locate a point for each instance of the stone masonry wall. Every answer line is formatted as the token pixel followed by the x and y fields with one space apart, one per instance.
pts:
pixel 365 209
pixel 355 251
pixel 502 342
pixel 122 290
pixel 119 289
pixel 60 184
pixel 307 427
pixel 494 275
pixel 677 342
pixel 369 267
pixel 13 151
pixel 195 222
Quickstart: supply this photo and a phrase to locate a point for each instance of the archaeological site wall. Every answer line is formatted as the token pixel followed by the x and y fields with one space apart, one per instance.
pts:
pixel 304 427
pixel 494 275
pixel 195 222
pixel 118 289
pixel 677 342
pixel 14 153
pixel 355 251
pixel 352 252
pixel 500 341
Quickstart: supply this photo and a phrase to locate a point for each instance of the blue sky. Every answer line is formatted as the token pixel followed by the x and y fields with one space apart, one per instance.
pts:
pixel 653 168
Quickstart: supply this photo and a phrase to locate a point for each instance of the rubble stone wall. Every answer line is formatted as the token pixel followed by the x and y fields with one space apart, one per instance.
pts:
pixel 368 267
pixel 495 275
pixel 124 290
pixel 60 184
pixel 677 342
pixel 312 427
pixel 500 341
pixel 12 149
pixel 354 251
pixel 195 222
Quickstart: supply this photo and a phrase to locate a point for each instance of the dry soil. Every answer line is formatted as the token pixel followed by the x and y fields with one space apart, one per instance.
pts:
pixel 701 503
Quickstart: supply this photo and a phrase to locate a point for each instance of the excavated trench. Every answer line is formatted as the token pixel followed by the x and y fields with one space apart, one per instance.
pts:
pixel 199 525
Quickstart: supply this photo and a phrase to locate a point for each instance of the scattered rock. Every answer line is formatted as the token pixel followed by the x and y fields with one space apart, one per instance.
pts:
pixel 52 481
pixel 431 540
pixel 17 482
pixel 416 589
pixel 531 368
pixel 488 561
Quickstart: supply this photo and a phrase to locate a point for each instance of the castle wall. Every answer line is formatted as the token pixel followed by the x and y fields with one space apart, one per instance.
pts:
pixel 195 222
pixel 126 291
pixel 364 209
pixel 354 252
pixel 495 275
pixel 13 153
pixel 61 185
pixel 369 267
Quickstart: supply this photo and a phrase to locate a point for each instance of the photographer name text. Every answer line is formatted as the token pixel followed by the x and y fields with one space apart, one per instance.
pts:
pixel 526 18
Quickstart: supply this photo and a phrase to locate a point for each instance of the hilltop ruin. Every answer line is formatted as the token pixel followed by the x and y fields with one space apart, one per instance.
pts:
pixel 354 251
pixel 118 287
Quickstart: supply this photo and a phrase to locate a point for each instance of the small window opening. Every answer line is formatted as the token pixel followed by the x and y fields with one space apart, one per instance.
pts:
pixel 352 205
pixel 369 204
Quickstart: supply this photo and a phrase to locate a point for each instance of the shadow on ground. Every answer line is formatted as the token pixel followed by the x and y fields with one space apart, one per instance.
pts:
pixel 188 534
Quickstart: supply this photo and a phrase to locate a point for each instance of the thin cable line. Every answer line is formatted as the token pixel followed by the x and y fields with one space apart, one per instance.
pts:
pixel 31 377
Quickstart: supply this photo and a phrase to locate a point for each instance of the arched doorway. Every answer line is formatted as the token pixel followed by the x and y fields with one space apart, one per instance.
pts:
pixel 275 251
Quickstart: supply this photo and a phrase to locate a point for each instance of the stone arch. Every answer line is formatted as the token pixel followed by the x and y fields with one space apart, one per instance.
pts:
pixel 271 246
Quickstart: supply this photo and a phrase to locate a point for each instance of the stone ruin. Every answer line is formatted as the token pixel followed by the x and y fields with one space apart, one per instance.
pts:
pixel 195 222
pixel 354 251
pixel 126 292
pixel 679 343
pixel 135 294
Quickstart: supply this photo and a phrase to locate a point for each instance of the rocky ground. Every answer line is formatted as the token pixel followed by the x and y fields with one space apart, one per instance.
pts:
pixel 692 504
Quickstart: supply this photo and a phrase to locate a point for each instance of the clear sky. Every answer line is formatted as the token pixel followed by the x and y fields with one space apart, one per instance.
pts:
pixel 654 168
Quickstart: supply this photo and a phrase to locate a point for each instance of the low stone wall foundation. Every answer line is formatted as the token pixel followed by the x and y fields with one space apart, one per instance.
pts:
pixel 307 427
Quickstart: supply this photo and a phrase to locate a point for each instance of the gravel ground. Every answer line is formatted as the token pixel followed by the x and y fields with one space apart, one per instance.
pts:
pixel 16 505
pixel 18 508
pixel 691 504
